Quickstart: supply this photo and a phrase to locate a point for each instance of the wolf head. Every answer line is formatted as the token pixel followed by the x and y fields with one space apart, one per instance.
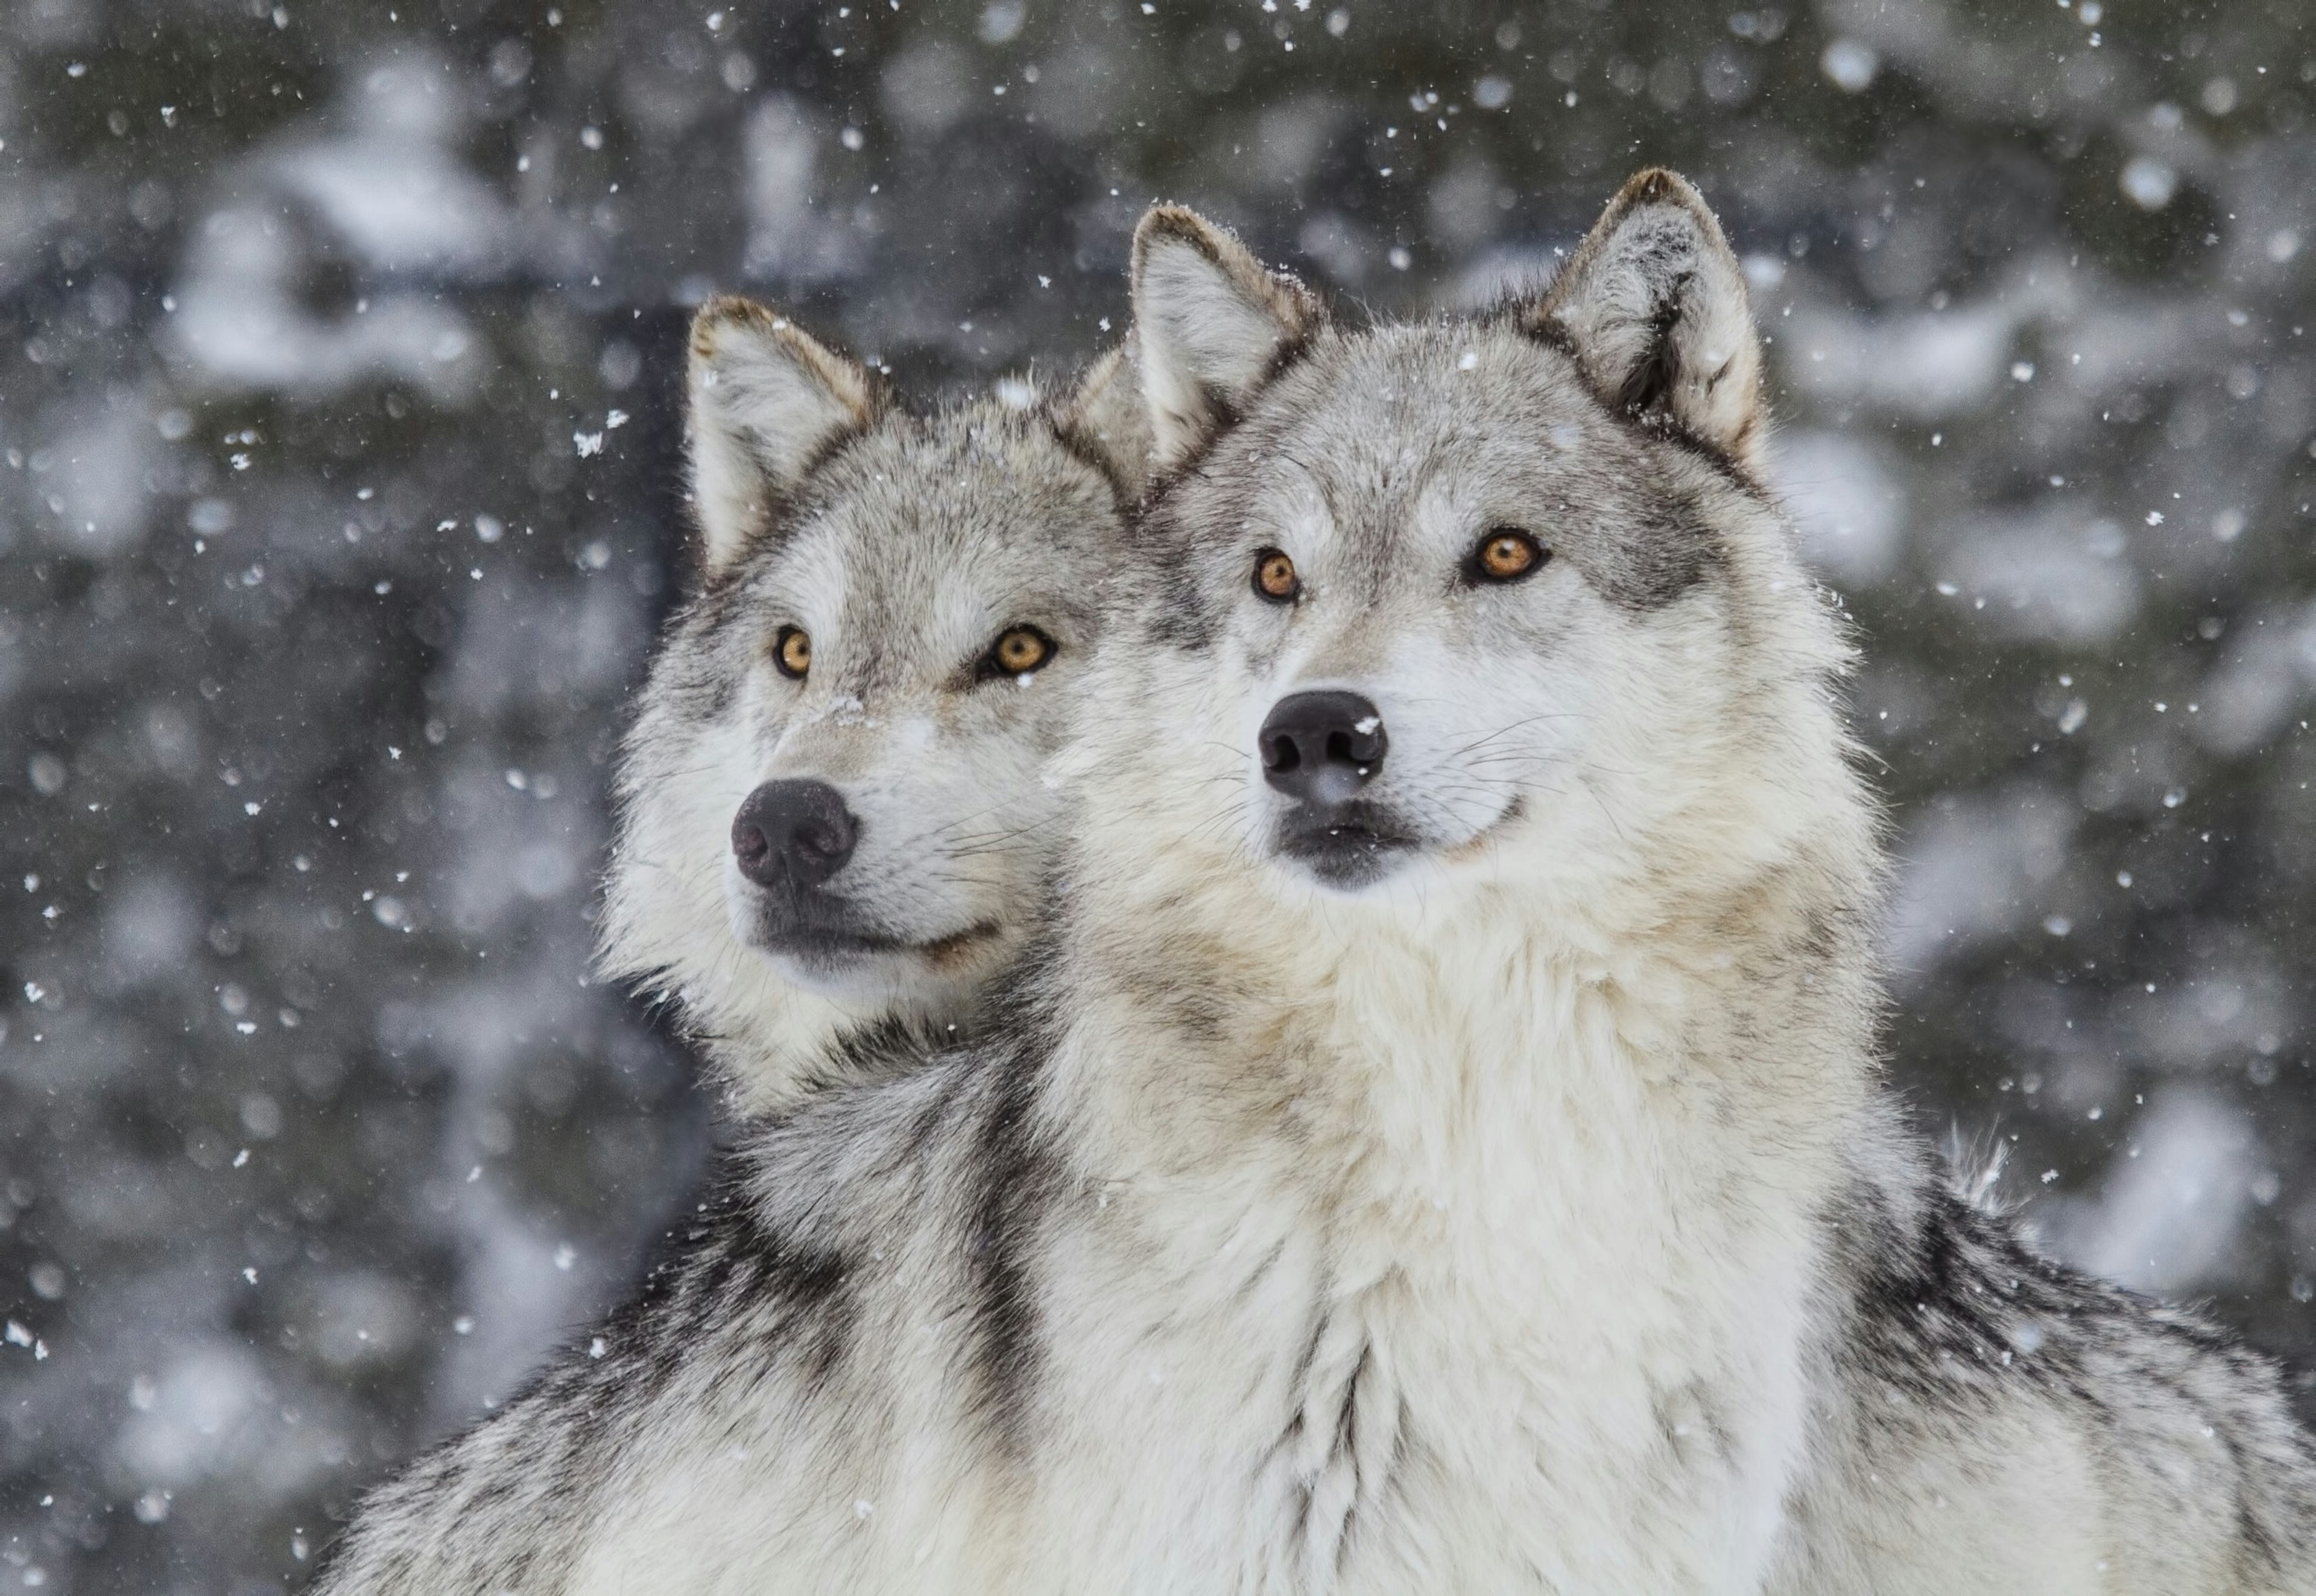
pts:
pixel 831 810
pixel 1470 603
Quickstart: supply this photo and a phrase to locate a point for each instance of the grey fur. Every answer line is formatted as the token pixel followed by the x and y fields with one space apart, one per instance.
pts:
pixel 1532 1217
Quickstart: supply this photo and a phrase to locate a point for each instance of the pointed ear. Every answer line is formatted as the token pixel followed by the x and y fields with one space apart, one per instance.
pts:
pixel 766 402
pixel 1105 418
pixel 1211 325
pixel 1654 308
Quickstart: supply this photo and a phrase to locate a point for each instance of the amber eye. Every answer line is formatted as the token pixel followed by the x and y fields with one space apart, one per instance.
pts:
pixel 1018 651
pixel 1274 576
pixel 1507 554
pixel 792 652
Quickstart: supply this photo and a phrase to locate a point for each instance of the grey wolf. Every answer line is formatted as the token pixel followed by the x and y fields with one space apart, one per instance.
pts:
pixel 1440 1143
pixel 832 814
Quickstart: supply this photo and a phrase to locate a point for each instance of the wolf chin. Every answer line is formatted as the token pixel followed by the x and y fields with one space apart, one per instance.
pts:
pixel 1442 1144
pixel 832 809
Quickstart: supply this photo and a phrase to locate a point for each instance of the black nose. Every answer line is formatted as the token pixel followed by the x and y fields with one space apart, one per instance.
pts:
pixel 1322 747
pixel 797 831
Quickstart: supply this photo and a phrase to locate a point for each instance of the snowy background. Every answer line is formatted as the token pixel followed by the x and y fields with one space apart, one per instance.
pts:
pixel 340 502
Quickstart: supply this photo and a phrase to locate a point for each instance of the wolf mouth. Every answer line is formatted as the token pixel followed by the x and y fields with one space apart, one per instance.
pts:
pixel 1345 846
pixel 835 947
pixel 1358 844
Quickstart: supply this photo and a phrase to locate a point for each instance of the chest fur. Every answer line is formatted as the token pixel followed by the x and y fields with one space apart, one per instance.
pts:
pixel 1506 1302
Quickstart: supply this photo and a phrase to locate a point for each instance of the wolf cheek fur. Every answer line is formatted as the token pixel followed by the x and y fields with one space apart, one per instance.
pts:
pixel 831 809
pixel 1527 1214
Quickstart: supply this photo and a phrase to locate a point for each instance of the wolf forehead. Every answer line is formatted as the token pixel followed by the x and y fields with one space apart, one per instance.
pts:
pixel 1377 444
pixel 923 524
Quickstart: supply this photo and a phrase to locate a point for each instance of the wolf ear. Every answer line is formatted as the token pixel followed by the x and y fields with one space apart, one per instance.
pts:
pixel 1106 418
pixel 1654 308
pixel 1209 323
pixel 766 400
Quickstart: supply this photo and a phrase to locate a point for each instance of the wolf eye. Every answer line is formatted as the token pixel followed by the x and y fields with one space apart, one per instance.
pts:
pixel 1018 651
pixel 1274 576
pixel 792 652
pixel 1507 554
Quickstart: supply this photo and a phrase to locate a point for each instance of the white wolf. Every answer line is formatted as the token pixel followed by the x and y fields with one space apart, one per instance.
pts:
pixel 831 807
pixel 1442 1146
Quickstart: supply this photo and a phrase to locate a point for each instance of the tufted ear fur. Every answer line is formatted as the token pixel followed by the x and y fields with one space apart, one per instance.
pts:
pixel 1105 418
pixel 1654 308
pixel 766 401
pixel 1211 325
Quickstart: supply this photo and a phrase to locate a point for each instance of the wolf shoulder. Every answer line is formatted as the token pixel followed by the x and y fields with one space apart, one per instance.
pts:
pixel 1994 1420
pixel 741 1419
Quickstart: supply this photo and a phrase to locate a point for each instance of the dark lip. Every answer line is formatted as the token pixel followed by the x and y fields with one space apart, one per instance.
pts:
pixel 1347 846
pixel 821 930
pixel 1358 844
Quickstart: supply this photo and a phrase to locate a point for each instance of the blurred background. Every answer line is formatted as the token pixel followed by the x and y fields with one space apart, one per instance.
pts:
pixel 341 499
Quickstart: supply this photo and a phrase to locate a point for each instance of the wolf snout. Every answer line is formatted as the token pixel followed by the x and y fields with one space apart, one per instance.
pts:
pixel 1320 748
pixel 794 831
